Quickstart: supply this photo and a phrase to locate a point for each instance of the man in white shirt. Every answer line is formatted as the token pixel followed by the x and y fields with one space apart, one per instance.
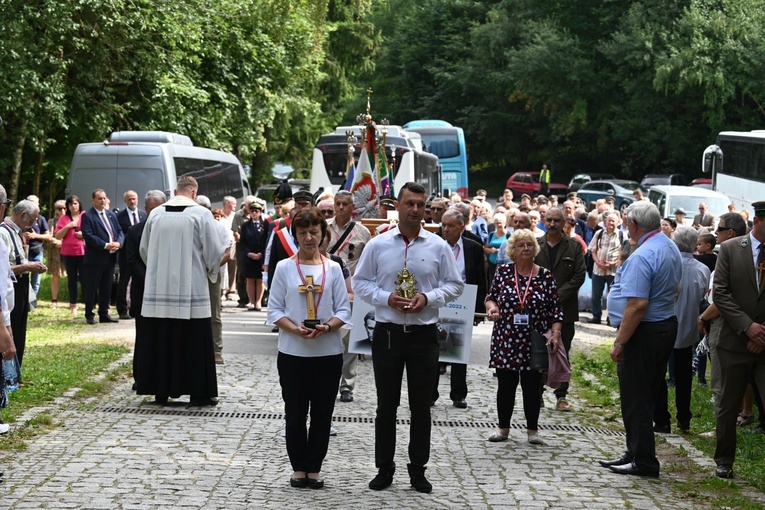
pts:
pixel 407 274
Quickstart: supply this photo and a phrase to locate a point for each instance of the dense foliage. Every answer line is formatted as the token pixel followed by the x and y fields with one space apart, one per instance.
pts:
pixel 600 85
pixel 259 78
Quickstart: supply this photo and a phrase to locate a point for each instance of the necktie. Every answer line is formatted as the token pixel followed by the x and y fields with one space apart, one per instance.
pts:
pixel 761 265
pixel 135 218
pixel 108 226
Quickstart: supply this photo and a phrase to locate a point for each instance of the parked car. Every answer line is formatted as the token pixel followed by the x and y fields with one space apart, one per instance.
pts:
pixel 702 183
pixel 579 179
pixel 651 180
pixel 620 189
pixel 528 182
pixel 669 198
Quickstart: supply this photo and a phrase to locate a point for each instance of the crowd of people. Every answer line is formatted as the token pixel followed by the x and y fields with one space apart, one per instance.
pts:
pixel 659 282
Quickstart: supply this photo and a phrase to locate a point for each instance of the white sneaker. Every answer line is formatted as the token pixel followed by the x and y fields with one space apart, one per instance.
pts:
pixel 4 427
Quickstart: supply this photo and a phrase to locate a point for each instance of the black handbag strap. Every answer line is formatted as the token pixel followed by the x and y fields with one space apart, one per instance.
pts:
pixel 342 238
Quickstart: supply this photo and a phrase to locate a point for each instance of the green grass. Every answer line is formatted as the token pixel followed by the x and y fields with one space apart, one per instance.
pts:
pixel 750 462
pixel 59 357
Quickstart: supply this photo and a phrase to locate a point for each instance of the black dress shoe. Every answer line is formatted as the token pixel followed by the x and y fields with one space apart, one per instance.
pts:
pixel 594 321
pixel 125 317
pixel 315 483
pixel 662 429
pixel 383 480
pixel 299 482
pixel 634 469
pixel 107 318
pixel 459 403
pixel 203 401
pixel 724 471
pixel 420 483
pixel 625 459
pixel 90 320
pixel 158 399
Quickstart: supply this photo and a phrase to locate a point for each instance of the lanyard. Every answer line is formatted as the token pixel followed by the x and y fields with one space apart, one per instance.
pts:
pixel 323 278
pixel 528 285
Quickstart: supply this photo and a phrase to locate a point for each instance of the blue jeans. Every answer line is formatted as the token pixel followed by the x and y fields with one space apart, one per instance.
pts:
pixel 35 279
pixel 598 285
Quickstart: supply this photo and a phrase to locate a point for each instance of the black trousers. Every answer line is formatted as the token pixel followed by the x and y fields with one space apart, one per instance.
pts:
pixel 19 314
pixel 457 382
pixel 74 265
pixel 392 351
pixel 507 383
pixel 308 382
pixel 122 289
pixel 241 279
pixel 98 278
pixel 683 387
pixel 641 374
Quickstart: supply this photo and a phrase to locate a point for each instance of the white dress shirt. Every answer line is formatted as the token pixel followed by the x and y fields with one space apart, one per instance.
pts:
pixel 428 257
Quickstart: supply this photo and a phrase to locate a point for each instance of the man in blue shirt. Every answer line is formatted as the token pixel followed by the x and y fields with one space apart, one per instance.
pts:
pixel 642 307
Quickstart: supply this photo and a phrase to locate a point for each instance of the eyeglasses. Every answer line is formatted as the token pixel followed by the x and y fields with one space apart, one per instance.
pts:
pixel 61 208
pixel 327 212
pixel 6 203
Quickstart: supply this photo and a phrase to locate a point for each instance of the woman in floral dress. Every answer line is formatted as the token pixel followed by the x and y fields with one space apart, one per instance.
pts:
pixel 522 296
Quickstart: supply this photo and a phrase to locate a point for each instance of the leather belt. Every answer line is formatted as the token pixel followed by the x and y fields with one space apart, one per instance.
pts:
pixel 406 328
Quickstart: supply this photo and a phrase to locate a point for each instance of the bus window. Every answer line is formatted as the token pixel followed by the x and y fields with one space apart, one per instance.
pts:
pixel 194 168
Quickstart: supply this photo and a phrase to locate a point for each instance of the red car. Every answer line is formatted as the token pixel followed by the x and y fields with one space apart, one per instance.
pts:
pixel 528 182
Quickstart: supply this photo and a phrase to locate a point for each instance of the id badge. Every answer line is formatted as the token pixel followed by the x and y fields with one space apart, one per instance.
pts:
pixel 521 319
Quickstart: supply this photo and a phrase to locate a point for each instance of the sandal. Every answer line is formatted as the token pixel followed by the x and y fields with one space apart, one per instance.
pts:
pixel 744 419
pixel 497 437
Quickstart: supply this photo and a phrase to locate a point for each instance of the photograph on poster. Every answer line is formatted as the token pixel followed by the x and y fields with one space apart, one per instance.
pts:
pixel 455 331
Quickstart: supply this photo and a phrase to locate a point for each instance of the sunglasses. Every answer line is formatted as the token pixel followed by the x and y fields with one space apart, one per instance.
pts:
pixel 327 212
pixel 351 247
pixel 722 229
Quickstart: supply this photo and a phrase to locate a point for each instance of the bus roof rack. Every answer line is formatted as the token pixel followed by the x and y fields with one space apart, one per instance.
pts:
pixel 150 136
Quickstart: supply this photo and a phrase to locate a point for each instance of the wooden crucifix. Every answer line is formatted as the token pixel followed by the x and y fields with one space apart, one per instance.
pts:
pixel 310 290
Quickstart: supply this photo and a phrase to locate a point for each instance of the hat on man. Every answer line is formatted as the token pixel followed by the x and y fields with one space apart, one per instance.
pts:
pixel 388 202
pixel 303 196
pixel 283 193
pixel 680 210
pixel 759 208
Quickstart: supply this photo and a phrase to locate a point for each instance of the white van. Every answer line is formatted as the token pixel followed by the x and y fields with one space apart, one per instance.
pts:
pixel 669 198
pixel 146 160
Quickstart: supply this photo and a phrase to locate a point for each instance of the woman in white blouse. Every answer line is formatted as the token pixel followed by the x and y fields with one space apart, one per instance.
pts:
pixel 310 356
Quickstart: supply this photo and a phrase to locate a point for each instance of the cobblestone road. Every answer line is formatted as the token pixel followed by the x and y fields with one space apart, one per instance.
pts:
pixel 121 451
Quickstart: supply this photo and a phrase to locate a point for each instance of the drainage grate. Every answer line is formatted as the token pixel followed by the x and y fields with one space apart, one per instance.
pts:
pixel 345 419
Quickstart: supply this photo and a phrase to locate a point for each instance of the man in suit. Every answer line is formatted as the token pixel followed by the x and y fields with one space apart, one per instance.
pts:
pixel 738 294
pixel 103 238
pixel 137 269
pixel 703 219
pixel 470 264
pixel 127 217
pixel 564 258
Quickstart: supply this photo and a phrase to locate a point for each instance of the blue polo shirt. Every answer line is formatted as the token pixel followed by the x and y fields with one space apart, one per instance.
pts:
pixel 653 271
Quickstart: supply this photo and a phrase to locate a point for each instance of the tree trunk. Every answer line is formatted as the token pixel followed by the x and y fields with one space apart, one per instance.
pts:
pixel 38 168
pixel 18 154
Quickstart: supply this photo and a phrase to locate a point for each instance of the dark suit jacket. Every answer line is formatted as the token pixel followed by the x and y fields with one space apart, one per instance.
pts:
pixel 278 252
pixel 568 270
pixel 736 294
pixel 709 220
pixel 136 266
pixel 475 271
pixel 125 224
pixel 96 236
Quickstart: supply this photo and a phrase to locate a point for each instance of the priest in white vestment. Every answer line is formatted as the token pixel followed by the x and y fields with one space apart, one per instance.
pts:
pixel 182 250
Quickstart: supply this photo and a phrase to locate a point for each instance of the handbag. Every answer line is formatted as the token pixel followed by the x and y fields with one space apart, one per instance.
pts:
pixel 559 369
pixel 539 352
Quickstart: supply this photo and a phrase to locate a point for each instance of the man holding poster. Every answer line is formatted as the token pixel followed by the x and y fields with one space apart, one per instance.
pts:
pixel 407 273
pixel 469 257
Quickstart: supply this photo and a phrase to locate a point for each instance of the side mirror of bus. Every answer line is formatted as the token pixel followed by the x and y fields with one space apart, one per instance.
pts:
pixel 711 160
